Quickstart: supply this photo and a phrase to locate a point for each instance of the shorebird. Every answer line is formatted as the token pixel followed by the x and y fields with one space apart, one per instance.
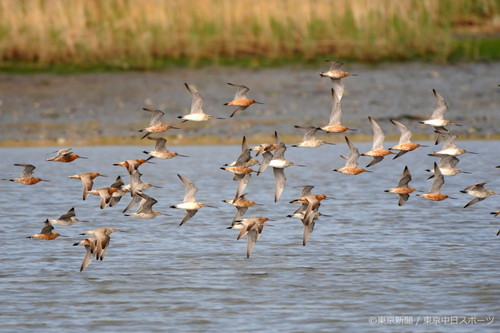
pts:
pixel 90 248
pixel 240 99
pixel 145 210
pixel 136 184
pixel 196 113
pixel 351 164
pixel 442 134
pixel 447 165
pixel 402 188
pixel 404 145
pixel 435 189
pixel 336 74
pixel 87 181
pixel 278 163
pixel 121 189
pixel 155 123
pixel 105 193
pixel 449 146
pixel 26 176
pixel 189 203
pixel 496 213
pixel 241 204
pixel 65 155
pixel 240 167
pixel 334 125
pixel 378 152
pixel 478 191
pixel 309 139
pixel 309 209
pixel 437 117
pixel 251 227
pixel 67 219
pixel 46 232
pixel 267 147
pixel 133 165
pixel 102 240
pixel 161 150
pixel 244 158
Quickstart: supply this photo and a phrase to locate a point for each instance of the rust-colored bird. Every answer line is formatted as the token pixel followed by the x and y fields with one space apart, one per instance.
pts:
pixel 240 99
pixel 87 179
pixel 435 189
pixel 26 176
pixel 65 156
pixel 155 124
pixel 46 232
pixel 402 188
pixel 404 145
pixel 351 164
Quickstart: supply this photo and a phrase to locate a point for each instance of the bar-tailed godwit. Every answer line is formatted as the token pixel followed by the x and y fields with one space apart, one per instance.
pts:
pixel 155 124
pixel 437 117
pixel 67 219
pixel 196 113
pixel 378 152
pixel 90 248
pixel 102 242
pixel 435 189
pixel 278 163
pixel 251 227
pixel 447 165
pixel 189 203
pixel 336 75
pixel 26 176
pixel 241 204
pixel 478 192
pixel 405 145
pixel 449 146
pixel 309 139
pixel 65 156
pixel 402 188
pixel 351 164
pixel 334 125
pixel 87 179
pixel 145 210
pixel 240 99
pixel 133 164
pixel 46 232
pixel 161 150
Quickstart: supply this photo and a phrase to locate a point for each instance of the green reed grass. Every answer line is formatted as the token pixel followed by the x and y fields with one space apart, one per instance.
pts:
pixel 147 34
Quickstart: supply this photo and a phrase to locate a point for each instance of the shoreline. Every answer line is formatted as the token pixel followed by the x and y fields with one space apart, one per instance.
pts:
pixel 214 140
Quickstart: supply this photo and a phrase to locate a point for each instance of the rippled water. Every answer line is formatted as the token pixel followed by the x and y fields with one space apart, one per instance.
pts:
pixel 371 258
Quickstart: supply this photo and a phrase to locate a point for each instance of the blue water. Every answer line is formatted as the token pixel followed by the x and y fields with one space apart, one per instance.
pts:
pixel 370 258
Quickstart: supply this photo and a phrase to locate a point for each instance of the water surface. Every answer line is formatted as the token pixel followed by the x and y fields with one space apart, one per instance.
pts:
pixel 370 258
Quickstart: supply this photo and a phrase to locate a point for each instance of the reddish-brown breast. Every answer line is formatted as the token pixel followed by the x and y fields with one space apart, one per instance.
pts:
pixel 406 146
pixel 378 153
pixel 334 128
pixel 241 102
pixel 351 171
pixel 434 196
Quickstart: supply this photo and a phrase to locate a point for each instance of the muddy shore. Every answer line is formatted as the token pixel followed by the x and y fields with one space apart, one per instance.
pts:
pixel 105 108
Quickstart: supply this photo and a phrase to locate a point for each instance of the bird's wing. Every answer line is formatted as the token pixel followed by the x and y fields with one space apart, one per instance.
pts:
pixel 336 110
pixel 189 214
pixel 240 91
pixel 197 99
pixel 405 178
pixel 279 182
pixel 441 106
pixel 191 189
pixel 378 135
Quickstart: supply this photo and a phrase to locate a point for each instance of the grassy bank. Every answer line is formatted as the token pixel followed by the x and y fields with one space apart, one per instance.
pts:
pixel 136 34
